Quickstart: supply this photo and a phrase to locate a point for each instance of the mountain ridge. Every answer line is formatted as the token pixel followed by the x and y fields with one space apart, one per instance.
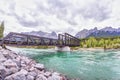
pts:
pixel 85 33
pixel 104 32
pixel 42 34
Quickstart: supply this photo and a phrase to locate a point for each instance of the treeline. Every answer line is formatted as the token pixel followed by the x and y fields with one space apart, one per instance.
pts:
pixel 106 43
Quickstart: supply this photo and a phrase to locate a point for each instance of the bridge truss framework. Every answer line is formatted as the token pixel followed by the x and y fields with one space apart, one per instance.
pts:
pixel 18 39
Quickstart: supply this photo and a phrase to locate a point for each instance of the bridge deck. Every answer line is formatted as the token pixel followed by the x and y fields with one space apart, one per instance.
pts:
pixel 18 39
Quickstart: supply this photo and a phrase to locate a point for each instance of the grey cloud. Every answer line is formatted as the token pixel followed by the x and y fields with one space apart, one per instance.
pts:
pixel 11 8
pixel 28 23
pixel 96 11
pixel 2 12
pixel 60 9
pixel 24 22
pixel 35 23
pixel 57 3
pixel 21 20
pixel 56 7
pixel 72 22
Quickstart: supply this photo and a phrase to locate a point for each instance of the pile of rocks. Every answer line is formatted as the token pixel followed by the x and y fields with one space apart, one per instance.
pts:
pixel 18 67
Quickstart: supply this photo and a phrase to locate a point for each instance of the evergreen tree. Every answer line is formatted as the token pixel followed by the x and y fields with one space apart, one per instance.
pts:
pixel 2 30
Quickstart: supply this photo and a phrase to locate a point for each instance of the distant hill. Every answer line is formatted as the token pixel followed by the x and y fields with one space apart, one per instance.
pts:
pixel 105 32
pixel 42 34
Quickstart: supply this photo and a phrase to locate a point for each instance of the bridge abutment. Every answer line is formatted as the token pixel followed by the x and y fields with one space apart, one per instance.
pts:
pixel 62 48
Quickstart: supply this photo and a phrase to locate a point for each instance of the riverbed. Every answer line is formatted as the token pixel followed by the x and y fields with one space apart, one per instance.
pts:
pixel 84 65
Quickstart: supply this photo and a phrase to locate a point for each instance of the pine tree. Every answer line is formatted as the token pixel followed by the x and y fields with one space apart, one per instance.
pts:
pixel 2 29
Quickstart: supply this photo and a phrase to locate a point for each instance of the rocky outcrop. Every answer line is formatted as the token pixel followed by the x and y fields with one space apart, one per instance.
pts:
pixel 18 67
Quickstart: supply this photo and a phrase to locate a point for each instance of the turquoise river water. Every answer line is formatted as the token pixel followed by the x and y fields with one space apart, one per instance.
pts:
pixel 83 65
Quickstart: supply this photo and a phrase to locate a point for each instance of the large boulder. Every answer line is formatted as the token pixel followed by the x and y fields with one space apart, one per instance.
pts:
pixel 9 54
pixel 2 58
pixel 17 61
pixel 37 71
pixel 34 74
pixel 27 63
pixel 41 77
pixel 47 74
pixel 30 77
pixel 12 70
pixel 3 72
pixel 21 75
pixel 25 59
pixel 9 63
pixel 55 76
pixel 39 66
pixel 1 48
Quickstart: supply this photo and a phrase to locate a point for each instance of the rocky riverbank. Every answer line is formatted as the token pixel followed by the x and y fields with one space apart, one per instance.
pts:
pixel 18 67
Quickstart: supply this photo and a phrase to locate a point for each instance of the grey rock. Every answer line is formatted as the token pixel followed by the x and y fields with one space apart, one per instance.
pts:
pixel 22 71
pixel 34 74
pixel 47 74
pixel 9 63
pixel 56 73
pixel 1 48
pixel 7 54
pixel 37 71
pixel 32 69
pixel 21 75
pixel 30 77
pixel 16 77
pixel 12 70
pixel 3 72
pixel 55 76
pixel 41 77
pixel 25 60
pixel 2 58
pixel 17 61
pixel 23 64
pixel 9 78
pixel 39 66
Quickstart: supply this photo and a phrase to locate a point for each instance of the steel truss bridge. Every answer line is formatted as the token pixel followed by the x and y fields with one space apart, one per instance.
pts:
pixel 18 39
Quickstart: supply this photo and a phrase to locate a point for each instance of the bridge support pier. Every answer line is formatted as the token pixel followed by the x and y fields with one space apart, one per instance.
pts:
pixel 62 48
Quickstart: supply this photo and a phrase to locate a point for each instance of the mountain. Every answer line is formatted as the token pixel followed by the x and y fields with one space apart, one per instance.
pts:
pixel 84 33
pixel 105 32
pixel 42 34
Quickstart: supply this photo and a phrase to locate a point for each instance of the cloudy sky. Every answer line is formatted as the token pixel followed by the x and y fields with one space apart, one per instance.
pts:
pixel 58 15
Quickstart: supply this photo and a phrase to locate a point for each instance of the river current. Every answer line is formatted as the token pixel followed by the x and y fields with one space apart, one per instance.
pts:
pixel 83 65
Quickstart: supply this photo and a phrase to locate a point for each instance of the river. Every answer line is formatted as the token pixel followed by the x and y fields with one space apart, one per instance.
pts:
pixel 84 65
